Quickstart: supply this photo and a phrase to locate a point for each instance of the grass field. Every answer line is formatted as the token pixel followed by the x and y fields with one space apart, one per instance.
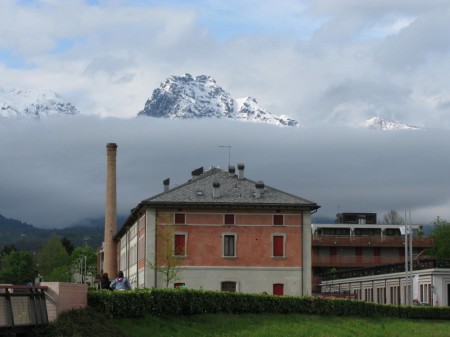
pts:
pixel 291 325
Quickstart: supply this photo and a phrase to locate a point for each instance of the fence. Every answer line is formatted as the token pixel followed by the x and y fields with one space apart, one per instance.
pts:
pixel 21 307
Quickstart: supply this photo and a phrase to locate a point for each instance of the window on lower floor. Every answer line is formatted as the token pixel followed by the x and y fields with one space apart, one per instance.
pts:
pixel 180 244
pixel 228 286
pixel 229 245
pixel 278 245
pixel 179 285
pixel 278 289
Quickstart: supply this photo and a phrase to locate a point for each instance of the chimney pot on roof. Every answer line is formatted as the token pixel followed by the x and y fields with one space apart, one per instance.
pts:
pixel 166 183
pixel 259 188
pixel 216 189
pixel 241 168
pixel 231 170
pixel 197 172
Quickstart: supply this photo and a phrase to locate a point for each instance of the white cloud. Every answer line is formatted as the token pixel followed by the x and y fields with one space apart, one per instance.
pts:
pixel 107 58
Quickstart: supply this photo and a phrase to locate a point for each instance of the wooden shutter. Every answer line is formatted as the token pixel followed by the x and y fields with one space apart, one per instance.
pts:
pixel 180 218
pixel 278 245
pixel 278 220
pixel 180 244
pixel 229 219
pixel 278 289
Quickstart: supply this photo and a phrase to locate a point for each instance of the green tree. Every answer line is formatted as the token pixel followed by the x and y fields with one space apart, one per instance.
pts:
pixel 441 236
pixel 67 245
pixel 8 248
pixel 84 261
pixel 167 263
pixel 17 267
pixel 53 256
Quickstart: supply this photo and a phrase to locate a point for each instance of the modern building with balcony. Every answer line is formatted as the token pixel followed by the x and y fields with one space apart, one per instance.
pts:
pixel 357 241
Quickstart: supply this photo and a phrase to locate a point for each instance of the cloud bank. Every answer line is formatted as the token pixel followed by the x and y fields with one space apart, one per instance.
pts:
pixel 53 171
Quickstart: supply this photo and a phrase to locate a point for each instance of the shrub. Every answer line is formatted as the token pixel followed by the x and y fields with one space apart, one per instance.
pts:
pixel 139 302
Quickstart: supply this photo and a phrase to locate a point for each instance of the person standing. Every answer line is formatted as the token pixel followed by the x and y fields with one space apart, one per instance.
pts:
pixel 105 282
pixel 120 282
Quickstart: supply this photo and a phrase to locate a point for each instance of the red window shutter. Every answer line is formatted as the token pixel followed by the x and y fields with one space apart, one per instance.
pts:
pixel 278 220
pixel 278 245
pixel 278 289
pixel 180 218
pixel 180 244
pixel 229 219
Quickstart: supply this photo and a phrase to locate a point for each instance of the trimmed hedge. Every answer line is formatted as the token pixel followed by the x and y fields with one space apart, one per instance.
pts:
pixel 141 302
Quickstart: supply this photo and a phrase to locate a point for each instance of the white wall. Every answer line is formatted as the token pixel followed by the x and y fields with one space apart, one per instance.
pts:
pixel 248 280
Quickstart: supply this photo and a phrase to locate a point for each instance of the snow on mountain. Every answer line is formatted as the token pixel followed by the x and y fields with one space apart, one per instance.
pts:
pixel 382 124
pixel 33 104
pixel 186 97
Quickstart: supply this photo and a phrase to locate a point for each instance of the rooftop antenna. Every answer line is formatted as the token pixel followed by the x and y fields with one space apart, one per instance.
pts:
pixel 229 152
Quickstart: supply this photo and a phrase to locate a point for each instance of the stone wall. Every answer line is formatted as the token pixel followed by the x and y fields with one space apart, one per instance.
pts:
pixel 62 296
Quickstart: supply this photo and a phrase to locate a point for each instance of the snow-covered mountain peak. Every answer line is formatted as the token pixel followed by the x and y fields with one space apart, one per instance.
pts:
pixel 382 124
pixel 16 103
pixel 186 97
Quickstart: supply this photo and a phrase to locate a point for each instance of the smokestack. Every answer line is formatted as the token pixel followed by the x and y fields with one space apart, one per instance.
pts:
pixel 216 189
pixel 166 184
pixel 259 188
pixel 109 249
pixel 241 171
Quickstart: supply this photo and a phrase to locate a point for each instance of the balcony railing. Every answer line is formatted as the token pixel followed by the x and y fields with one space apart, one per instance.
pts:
pixel 353 261
pixel 369 241
pixel 21 307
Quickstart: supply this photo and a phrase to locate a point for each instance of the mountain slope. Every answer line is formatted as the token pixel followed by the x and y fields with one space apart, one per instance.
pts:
pixel 185 97
pixel 382 124
pixel 27 237
pixel 33 104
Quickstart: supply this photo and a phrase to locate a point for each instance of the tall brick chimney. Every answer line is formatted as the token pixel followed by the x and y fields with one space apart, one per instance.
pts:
pixel 109 248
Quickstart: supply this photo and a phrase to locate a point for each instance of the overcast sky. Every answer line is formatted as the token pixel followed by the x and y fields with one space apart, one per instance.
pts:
pixel 315 61
pixel 325 63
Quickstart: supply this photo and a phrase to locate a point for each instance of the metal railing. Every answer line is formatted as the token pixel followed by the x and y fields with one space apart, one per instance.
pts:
pixel 354 260
pixel 369 241
pixel 21 308
pixel 421 264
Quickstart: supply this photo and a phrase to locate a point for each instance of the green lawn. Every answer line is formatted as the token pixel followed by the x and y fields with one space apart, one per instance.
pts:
pixel 280 325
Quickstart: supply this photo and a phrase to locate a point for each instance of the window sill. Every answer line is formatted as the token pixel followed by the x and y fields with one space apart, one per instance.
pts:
pixel 278 257
pixel 229 257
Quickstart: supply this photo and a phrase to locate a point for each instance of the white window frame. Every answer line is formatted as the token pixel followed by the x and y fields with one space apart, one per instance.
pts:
pixel 185 243
pixel 284 245
pixel 223 245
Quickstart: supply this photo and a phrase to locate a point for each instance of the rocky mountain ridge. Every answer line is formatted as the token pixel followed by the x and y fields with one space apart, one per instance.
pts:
pixel 186 97
pixel 34 104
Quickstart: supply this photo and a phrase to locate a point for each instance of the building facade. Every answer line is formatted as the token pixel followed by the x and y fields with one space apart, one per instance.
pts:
pixel 428 283
pixel 219 231
pixel 356 240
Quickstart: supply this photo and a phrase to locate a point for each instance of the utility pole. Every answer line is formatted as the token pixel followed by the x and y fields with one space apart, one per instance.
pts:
pixel 229 152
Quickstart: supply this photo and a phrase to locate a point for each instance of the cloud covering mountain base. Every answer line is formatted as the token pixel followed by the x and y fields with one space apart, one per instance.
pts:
pixel 53 171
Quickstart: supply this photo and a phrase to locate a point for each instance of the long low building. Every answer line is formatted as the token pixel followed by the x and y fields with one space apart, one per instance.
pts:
pixel 357 240
pixel 430 283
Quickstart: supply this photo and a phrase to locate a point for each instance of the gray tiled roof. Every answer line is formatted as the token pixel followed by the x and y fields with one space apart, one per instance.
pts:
pixel 233 191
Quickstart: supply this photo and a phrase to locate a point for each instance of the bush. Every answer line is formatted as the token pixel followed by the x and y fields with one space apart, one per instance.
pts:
pixel 139 302
pixel 78 323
